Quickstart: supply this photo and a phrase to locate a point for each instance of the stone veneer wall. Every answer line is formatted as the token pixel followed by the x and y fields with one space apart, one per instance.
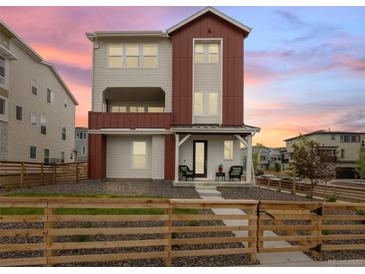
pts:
pixel 3 141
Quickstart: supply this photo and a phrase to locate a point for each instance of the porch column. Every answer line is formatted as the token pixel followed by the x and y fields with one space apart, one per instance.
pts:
pixel 249 165
pixel 176 157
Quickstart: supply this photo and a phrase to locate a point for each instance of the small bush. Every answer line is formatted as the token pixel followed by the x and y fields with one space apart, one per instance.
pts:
pixel 81 238
pixel 327 232
pixel 332 199
pixel 362 213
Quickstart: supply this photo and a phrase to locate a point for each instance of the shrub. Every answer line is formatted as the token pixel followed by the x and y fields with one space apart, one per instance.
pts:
pixel 332 199
pixel 362 213
pixel 327 232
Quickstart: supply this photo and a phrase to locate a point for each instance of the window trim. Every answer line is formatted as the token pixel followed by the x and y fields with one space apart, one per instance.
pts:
pixel 232 152
pixel 143 55
pixel 16 119
pixel 40 125
pixel 121 56
pixel 4 117
pixel 145 155
pixel 31 85
pixel 5 70
pixel 51 96
pixel 30 153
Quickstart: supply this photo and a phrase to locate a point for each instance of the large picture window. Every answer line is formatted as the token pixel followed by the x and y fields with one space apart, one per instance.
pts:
pixel 206 53
pixel 139 155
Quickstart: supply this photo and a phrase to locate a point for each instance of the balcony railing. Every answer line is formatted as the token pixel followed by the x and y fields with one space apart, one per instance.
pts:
pixel 99 120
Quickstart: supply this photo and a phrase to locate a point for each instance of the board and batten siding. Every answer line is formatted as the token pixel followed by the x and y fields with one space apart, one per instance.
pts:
pixel 208 26
pixel 105 77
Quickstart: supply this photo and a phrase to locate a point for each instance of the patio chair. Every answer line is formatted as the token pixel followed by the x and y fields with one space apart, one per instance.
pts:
pixel 186 172
pixel 235 172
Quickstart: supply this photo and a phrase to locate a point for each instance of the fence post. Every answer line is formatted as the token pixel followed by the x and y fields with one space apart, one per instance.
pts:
pixel 42 179
pixel 252 221
pixel 77 171
pixel 54 173
pixel 279 186
pixel 49 240
pixel 22 175
pixel 294 191
pixel 168 235
pixel 259 230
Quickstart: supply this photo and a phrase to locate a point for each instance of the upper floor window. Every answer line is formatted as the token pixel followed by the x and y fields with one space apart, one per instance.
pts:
pixel 65 103
pixel 19 113
pixel 205 103
pixel 136 109
pixel 3 108
pixel 350 139
pixel 2 71
pixel 132 56
pixel 34 87
pixel 63 133
pixel 50 96
pixel 81 135
pixel 206 53
pixel 43 126
pixel 198 103
pixel 149 56
pixel 115 56
pixel 33 118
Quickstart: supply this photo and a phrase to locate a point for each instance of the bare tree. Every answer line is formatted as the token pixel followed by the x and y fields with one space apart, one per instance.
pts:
pixel 313 162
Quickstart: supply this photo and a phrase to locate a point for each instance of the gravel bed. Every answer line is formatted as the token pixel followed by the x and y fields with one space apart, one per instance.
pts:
pixel 124 188
pixel 256 193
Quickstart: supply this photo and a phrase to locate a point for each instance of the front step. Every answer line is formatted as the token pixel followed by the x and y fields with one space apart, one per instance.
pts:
pixel 208 191
pixel 211 183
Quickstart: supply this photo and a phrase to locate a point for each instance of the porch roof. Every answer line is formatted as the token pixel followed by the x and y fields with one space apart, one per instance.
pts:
pixel 214 128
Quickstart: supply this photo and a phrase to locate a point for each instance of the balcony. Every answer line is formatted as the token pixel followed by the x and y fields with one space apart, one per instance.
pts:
pixel 98 120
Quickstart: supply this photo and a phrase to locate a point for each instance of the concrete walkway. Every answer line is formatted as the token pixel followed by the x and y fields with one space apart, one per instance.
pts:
pixel 272 259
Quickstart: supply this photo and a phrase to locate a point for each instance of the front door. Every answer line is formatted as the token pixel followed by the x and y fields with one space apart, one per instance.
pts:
pixel 200 158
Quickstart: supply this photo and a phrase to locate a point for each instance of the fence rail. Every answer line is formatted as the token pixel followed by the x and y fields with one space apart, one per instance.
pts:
pixel 27 174
pixel 350 194
pixel 60 231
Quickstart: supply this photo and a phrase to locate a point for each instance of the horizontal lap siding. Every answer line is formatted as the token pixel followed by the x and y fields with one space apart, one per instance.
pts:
pixel 208 26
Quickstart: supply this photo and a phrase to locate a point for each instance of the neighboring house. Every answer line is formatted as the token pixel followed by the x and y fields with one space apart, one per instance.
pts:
pixel 164 99
pixel 266 157
pixel 345 147
pixel 81 135
pixel 37 110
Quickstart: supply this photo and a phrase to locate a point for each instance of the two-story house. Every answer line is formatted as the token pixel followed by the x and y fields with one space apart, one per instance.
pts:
pixel 346 147
pixel 164 99
pixel 267 158
pixel 37 109
pixel 81 137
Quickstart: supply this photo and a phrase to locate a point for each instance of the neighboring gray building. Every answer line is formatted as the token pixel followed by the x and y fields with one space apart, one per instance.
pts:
pixel 37 110
pixel 81 135
pixel 266 157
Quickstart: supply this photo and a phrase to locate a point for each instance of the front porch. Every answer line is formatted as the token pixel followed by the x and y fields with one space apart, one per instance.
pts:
pixel 204 148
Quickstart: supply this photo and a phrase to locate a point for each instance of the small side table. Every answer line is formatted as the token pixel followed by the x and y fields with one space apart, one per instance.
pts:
pixel 220 175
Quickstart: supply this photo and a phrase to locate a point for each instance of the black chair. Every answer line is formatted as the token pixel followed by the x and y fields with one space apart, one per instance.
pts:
pixel 235 172
pixel 186 172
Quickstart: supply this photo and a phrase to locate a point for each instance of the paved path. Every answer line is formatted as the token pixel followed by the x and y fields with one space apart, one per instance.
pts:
pixel 272 259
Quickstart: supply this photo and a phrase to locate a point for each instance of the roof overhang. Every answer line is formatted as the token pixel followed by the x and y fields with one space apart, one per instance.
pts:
pixel 112 34
pixel 215 129
pixel 214 11
pixel 128 131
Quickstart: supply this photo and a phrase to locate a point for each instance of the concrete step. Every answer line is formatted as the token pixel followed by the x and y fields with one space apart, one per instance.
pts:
pixel 202 188
pixel 211 183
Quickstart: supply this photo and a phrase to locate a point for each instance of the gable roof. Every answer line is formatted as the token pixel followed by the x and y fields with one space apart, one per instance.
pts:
pixel 37 57
pixel 323 132
pixel 214 11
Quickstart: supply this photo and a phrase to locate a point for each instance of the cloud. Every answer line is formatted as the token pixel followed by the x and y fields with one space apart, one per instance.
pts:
pixel 290 18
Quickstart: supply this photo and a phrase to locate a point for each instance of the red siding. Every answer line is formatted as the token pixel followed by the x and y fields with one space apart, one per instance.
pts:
pixel 169 157
pixel 208 26
pixel 97 156
pixel 99 120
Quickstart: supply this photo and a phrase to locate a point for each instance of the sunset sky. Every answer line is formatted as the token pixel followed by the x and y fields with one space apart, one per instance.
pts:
pixel 304 67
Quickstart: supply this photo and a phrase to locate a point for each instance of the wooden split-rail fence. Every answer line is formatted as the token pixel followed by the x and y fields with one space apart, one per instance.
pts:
pixel 61 231
pixel 15 175
pixel 350 194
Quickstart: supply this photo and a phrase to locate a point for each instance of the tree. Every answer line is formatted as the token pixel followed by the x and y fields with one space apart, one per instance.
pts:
pixel 256 156
pixel 277 167
pixel 360 170
pixel 313 162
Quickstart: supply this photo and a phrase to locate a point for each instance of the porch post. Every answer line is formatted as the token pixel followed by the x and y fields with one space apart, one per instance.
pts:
pixel 176 157
pixel 249 165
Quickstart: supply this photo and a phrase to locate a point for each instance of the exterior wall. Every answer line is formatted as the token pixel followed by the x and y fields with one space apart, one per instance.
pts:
pixel 208 26
pixel 80 143
pixel 22 134
pixel 169 157
pixel 97 156
pixel 158 157
pixel 106 77
pixel 215 153
pixel 3 141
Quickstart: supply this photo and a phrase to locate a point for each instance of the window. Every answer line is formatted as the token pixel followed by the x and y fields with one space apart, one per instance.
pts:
pixel 34 87
pixel 33 119
pixel 333 137
pixel 62 157
pixel 342 153
pixel 213 103
pixel 118 109
pixel 18 113
pixel 115 56
pixel 199 53
pixel 155 109
pixel 43 126
pixel 2 71
pixel 136 109
pixel 206 53
pixel 65 103
pixel 3 108
pixel 149 56
pixel 50 96
pixel 350 139
pixel 83 150
pixel 46 156
pixel 228 150
pixel 63 133
pixel 362 143
pixel 33 152
pixel 139 155
pixel 132 56
pixel 198 103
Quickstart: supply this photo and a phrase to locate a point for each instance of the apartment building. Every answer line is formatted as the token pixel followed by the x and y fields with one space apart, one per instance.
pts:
pixel 266 158
pixel 161 100
pixel 346 147
pixel 81 137
pixel 37 109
